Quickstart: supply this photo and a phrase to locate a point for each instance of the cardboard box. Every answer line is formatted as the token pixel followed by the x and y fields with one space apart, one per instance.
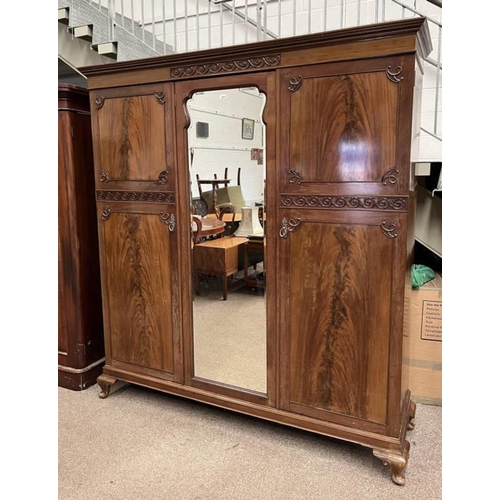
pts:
pixel 425 342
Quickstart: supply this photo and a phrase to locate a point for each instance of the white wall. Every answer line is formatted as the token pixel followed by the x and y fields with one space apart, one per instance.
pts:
pixel 225 146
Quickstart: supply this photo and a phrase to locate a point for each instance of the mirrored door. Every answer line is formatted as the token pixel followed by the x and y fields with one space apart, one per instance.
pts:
pixel 227 172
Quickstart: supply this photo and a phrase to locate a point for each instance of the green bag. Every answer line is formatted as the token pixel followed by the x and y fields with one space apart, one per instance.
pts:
pixel 420 275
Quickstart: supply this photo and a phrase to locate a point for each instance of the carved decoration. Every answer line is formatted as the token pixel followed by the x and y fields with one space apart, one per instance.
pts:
pixel 346 202
pixel 289 226
pixel 168 219
pixel 295 177
pixel 394 75
pixel 397 461
pixel 99 101
pixel 160 96
pixel 106 214
pixel 390 177
pixel 226 66
pixel 141 196
pixel 389 230
pixel 295 83
pixel 103 176
pixel 163 177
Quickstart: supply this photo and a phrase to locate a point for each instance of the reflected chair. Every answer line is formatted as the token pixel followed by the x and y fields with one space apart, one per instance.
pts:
pixel 195 229
pixel 199 207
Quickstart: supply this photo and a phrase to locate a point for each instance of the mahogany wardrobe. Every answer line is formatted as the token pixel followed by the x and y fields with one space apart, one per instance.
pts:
pixel 325 350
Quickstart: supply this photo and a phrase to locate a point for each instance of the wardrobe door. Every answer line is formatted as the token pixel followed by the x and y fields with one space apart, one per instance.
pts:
pixel 345 130
pixel 137 214
pixel 340 275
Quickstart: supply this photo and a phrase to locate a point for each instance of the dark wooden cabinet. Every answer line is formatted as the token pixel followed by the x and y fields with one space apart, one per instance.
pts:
pixel 339 213
pixel 81 338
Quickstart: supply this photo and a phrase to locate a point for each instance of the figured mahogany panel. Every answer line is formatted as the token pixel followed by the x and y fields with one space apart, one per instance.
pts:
pixel 132 138
pixel 138 264
pixel 340 296
pixel 343 128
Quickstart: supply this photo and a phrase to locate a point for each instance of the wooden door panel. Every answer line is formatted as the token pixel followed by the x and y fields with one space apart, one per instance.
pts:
pixel 339 290
pixel 345 125
pixel 343 128
pixel 132 137
pixel 139 268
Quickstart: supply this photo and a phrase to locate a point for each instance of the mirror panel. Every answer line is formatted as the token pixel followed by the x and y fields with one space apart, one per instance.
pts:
pixel 227 166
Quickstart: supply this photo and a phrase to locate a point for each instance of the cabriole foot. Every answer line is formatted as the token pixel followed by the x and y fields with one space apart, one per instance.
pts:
pixel 397 461
pixel 105 382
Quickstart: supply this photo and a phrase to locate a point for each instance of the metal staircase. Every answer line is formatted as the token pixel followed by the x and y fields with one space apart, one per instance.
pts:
pixel 110 34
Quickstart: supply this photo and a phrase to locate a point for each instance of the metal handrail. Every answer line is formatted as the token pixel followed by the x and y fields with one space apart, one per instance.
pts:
pixel 110 9
pixel 416 12
pixel 436 63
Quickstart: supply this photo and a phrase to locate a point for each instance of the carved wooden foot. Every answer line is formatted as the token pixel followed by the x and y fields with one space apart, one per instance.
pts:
pixel 397 461
pixel 105 382
pixel 411 420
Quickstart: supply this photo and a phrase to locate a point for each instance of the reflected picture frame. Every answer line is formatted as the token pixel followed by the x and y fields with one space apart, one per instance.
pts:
pixel 247 128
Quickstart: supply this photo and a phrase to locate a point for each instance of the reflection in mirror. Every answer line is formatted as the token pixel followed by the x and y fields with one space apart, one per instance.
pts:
pixel 227 165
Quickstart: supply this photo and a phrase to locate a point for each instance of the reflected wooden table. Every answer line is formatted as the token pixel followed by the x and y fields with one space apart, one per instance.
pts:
pixel 217 257
pixel 210 226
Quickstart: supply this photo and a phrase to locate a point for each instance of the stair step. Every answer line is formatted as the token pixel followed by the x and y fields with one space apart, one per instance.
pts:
pixel 84 32
pixel 422 168
pixel 63 15
pixel 109 49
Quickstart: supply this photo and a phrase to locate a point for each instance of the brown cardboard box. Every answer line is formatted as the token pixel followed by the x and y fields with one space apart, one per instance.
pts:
pixel 425 342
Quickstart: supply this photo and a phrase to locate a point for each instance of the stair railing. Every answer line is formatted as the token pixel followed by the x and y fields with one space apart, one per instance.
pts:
pixel 187 25
pixel 437 63
pixel 129 15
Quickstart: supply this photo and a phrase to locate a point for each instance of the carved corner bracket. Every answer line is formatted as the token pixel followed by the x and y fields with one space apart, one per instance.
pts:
pixel 289 226
pixel 295 83
pixel 106 214
pixel 169 220
pixel 390 177
pixel 389 230
pixel 160 96
pixel 393 75
pixel 163 177
pixel 99 102
pixel 103 176
pixel 295 177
